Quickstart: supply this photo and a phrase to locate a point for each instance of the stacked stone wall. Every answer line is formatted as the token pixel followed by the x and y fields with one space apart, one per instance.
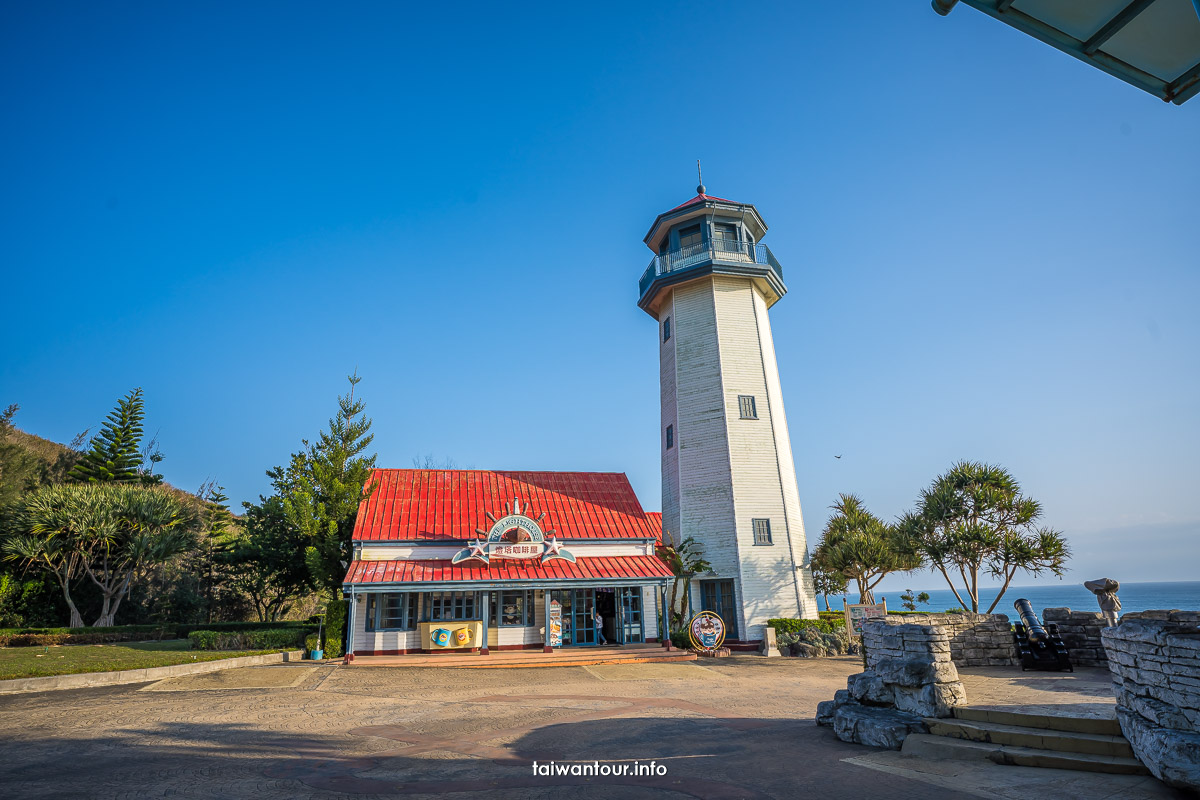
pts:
pixel 1154 658
pixel 909 677
pixel 1080 632
pixel 976 640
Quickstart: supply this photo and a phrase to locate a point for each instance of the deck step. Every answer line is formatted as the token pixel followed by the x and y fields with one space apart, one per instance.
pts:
pixel 1103 725
pixel 579 662
pixel 527 658
pixel 1101 744
pixel 944 747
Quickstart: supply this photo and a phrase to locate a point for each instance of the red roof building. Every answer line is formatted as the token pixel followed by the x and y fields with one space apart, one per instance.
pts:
pixel 482 560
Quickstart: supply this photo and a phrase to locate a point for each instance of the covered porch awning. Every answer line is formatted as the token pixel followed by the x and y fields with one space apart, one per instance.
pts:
pixel 508 573
pixel 1151 44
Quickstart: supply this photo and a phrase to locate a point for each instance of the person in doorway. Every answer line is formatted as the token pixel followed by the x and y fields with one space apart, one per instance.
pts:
pixel 599 620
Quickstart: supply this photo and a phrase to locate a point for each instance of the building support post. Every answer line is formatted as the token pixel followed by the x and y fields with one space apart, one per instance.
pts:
pixel 483 644
pixel 546 648
pixel 350 627
pixel 665 618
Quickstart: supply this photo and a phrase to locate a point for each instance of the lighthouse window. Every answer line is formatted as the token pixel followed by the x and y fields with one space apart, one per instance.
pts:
pixel 746 407
pixel 725 238
pixel 762 531
pixel 670 436
pixel 666 329
pixel 689 237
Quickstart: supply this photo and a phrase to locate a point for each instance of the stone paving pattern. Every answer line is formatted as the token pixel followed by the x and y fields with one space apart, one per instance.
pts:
pixel 1085 692
pixel 730 728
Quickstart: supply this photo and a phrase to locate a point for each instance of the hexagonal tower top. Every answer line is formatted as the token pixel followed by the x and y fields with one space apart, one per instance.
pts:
pixel 705 236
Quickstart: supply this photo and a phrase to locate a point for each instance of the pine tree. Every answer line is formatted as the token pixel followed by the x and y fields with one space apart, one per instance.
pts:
pixel 322 487
pixel 115 453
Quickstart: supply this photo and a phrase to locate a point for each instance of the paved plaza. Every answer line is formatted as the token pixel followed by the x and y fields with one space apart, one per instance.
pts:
pixel 729 728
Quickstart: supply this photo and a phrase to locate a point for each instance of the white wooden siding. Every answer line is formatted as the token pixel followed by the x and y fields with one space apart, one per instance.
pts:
pixel 728 471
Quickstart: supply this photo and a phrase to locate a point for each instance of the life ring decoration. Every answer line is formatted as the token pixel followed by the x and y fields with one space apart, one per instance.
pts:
pixel 706 631
pixel 440 637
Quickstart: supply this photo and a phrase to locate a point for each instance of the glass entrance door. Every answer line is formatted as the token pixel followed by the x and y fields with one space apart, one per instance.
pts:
pixel 718 597
pixel 578 627
pixel 585 625
pixel 630 609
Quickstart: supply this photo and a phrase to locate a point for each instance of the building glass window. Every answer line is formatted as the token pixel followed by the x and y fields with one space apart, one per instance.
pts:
pixel 670 436
pixel 449 606
pixel 666 329
pixel 746 407
pixel 690 237
pixel 762 531
pixel 725 238
pixel 510 609
pixel 395 611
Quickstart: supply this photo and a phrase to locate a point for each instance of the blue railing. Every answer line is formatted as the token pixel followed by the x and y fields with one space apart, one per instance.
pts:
pixel 703 252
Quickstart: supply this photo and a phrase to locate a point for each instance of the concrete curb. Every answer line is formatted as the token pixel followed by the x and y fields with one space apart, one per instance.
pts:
pixel 50 683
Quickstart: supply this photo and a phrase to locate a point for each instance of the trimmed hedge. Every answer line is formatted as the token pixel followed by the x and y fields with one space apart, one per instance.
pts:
pixel 829 625
pixel 44 637
pixel 276 639
pixel 184 631
pixel 335 627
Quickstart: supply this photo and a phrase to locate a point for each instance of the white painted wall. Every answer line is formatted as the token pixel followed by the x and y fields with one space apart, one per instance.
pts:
pixel 729 471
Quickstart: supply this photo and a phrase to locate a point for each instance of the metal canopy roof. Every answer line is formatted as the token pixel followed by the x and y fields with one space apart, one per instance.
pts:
pixel 1152 44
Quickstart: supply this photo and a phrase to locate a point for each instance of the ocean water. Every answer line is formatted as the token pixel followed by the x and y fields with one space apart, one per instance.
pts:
pixel 1184 595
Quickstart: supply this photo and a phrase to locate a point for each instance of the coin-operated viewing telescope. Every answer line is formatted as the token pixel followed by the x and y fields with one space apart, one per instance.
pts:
pixel 1039 647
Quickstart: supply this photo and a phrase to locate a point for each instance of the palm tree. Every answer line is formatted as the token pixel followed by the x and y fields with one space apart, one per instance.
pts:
pixel 974 519
pixel 140 527
pixel 686 560
pixel 859 546
pixel 110 532
pixel 48 528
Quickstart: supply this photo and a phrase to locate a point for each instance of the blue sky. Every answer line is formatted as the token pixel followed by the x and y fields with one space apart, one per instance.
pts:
pixel 990 247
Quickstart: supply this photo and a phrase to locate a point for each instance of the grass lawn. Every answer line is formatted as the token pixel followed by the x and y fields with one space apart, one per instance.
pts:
pixel 32 662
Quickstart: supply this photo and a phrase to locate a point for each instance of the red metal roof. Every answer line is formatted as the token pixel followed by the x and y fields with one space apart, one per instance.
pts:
pixel 442 571
pixel 700 198
pixel 655 519
pixel 450 504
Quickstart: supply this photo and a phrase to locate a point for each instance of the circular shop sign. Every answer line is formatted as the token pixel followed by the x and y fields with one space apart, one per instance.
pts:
pixel 706 630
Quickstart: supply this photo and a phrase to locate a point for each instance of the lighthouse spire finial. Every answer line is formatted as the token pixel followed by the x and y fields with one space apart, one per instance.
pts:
pixel 700 178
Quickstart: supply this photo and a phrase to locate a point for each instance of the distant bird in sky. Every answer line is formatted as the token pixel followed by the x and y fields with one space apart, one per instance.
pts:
pixel 837 456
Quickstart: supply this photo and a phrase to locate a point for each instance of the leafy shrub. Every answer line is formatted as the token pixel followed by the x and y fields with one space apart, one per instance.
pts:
pixel 277 639
pixel 203 640
pixel 335 627
pixel 41 637
pixel 312 642
pixel 782 626
pixel 680 639
pixel 227 627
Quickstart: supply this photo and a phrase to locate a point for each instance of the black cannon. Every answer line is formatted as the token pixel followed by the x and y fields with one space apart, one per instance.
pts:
pixel 1039 648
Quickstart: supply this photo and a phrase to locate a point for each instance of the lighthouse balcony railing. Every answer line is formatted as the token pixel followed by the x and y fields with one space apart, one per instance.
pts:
pixel 705 252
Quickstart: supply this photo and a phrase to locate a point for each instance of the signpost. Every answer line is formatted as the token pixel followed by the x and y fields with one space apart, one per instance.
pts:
pixel 555 623
pixel 858 613
pixel 706 631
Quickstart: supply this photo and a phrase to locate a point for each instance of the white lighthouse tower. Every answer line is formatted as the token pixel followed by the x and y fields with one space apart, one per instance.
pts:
pixel 728 480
